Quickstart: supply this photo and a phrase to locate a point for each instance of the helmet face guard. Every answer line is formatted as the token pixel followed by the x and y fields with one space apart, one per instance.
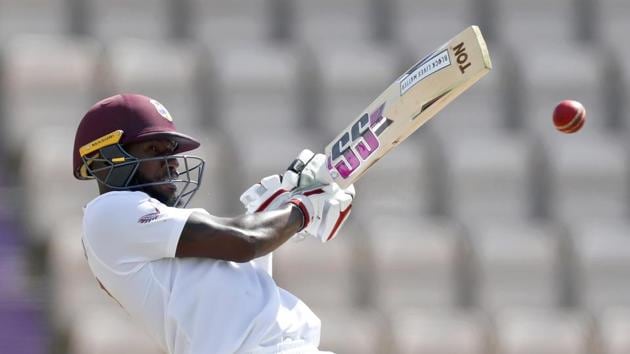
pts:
pixel 120 171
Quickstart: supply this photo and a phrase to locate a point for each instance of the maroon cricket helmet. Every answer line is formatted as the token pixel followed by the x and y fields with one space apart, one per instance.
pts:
pixel 135 118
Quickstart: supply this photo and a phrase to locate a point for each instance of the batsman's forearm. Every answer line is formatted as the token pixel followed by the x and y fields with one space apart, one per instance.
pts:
pixel 270 229
pixel 238 239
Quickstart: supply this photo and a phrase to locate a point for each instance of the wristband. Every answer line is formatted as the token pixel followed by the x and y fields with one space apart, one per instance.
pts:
pixel 305 215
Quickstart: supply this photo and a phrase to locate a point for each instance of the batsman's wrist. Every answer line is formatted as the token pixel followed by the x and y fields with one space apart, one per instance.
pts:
pixel 297 204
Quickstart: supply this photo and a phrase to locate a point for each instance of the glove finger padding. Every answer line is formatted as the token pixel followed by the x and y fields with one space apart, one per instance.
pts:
pixel 272 191
pixel 269 192
pixel 314 172
pixel 325 209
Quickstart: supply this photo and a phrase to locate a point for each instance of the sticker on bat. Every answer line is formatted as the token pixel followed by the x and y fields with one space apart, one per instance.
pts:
pixel 423 69
pixel 357 143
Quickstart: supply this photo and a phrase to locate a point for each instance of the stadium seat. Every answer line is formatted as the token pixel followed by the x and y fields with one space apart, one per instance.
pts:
pixel 559 72
pixel 74 288
pixel 23 326
pixel 110 19
pixel 528 331
pixel 353 331
pixel 259 89
pixel 621 91
pixel 39 92
pixel 535 24
pixel 51 193
pixel 601 262
pixel 333 22
pixel 33 16
pixel 170 72
pixel 261 110
pixel 613 328
pixel 517 264
pixel 489 176
pixel 416 263
pixel 401 183
pixel 13 272
pixel 612 22
pixel 423 26
pixel 348 79
pixel 439 332
pixel 587 176
pixel 107 329
pixel 320 274
pixel 233 23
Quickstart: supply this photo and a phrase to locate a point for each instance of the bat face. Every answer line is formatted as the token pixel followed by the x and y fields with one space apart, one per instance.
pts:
pixel 408 103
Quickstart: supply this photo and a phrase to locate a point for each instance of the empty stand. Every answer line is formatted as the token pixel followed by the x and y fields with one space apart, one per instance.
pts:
pixel 261 110
pixel 601 263
pixel 12 272
pixel 33 16
pixel 259 89
pixel 536 23
pixel 110 19
pixel 332 21
pixel 439 332
pixel 612 22
pixel 23 327
pixel 107 329
pixel 51 192
pixel 517 264
pixel 235 22
pixel 613 329
pixel 353 331
pixel 490 176
pixel 621 97
pixel 527 331
pixel 588 176
pixel 424 25
pixel 321 275
pixel 73 285
pixel 415 263
pixel 402 183
pixel 39 92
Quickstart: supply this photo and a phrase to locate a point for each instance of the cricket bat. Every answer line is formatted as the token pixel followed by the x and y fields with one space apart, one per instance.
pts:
pixel 414 98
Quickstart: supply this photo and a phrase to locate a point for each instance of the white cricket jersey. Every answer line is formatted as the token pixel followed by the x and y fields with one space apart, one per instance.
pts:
pixel 188 305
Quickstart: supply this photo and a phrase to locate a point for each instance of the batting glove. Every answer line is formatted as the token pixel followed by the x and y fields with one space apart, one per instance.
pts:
pixel 325 209
pixel 273 191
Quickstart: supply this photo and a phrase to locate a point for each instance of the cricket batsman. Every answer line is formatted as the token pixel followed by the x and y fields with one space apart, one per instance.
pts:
pixel 197 283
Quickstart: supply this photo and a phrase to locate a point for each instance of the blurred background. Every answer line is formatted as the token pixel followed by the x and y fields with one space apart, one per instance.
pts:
pixel 487 232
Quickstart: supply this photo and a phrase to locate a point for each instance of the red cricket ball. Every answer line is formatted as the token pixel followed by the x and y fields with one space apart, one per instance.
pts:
pixel 569 116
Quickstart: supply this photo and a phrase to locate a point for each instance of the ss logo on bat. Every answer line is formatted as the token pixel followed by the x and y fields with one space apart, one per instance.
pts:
pixel 356 144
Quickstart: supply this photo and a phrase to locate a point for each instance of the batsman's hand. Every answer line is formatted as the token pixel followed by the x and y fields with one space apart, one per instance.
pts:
pixel 325 208
pixel 313 172
pixel 273 191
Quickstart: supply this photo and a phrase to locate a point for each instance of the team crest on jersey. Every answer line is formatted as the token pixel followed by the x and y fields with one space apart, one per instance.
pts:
pixel 161 110
pixel 145 219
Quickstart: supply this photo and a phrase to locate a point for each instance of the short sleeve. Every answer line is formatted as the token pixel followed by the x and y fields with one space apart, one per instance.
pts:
pixel 127 228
